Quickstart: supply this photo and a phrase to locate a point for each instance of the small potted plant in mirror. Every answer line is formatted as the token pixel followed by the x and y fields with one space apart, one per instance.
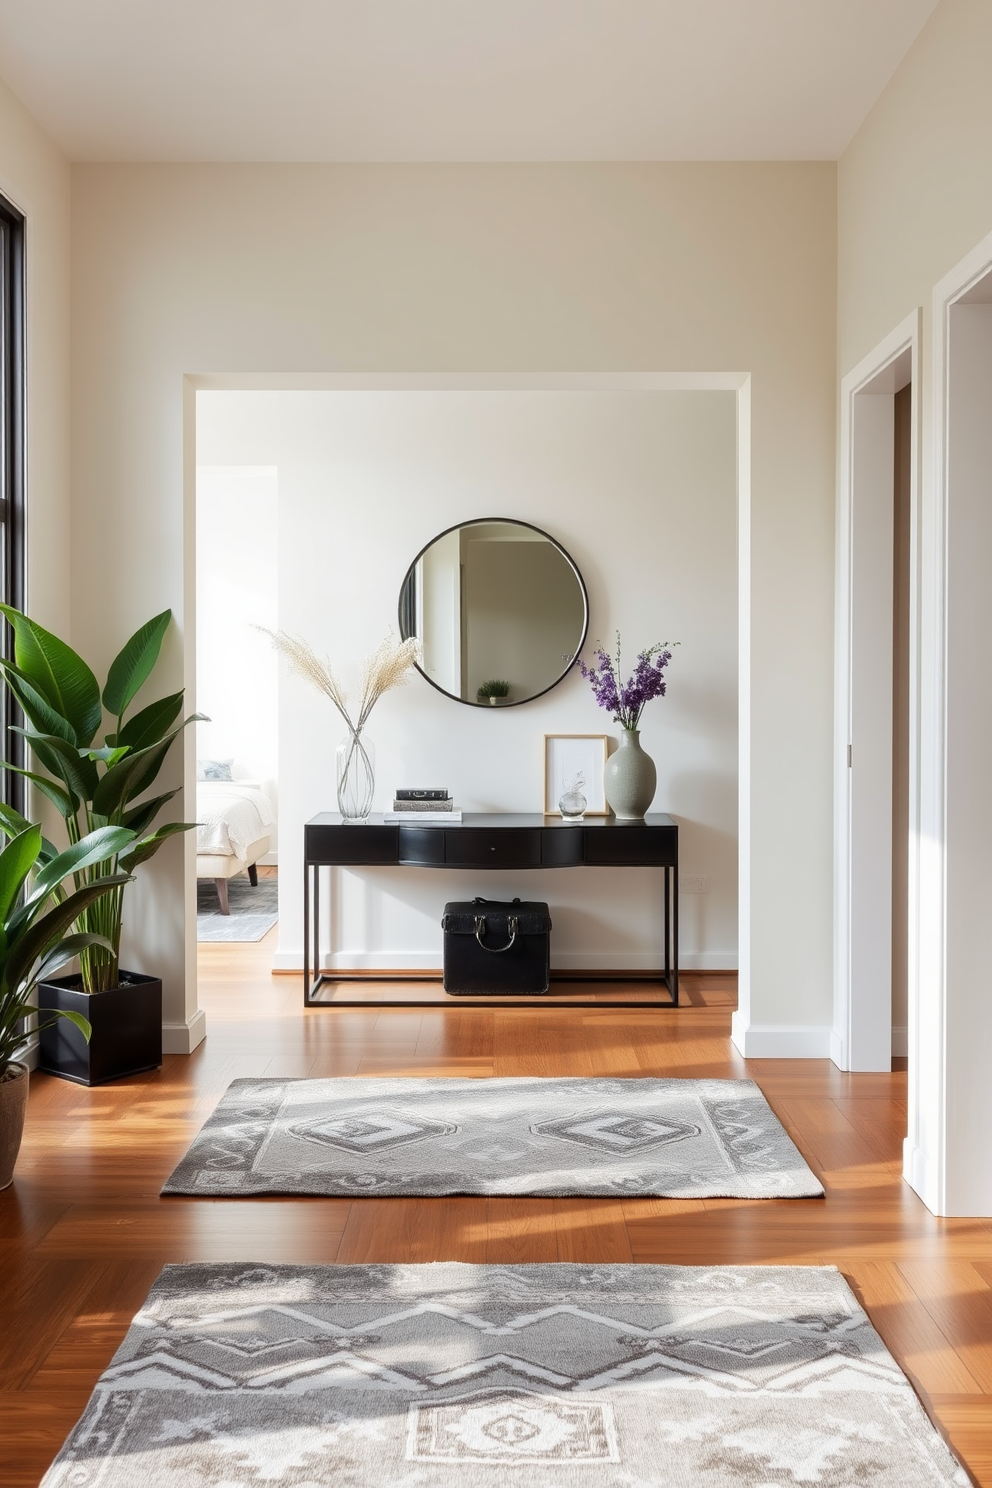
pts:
pixel 495 692
pixel 98 785
pixel 36 911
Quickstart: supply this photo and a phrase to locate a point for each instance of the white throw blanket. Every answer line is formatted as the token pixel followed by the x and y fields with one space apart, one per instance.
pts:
pixel 230 816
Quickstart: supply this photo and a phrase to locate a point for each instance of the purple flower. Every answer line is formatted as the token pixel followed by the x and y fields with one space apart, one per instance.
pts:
pixel 626 700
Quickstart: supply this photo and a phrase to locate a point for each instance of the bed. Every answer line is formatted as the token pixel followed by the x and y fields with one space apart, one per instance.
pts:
pixel 235 822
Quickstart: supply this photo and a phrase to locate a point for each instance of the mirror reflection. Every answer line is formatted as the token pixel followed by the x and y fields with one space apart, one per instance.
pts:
pixel 499 608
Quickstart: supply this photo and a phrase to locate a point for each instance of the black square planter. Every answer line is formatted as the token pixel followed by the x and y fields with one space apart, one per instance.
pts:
pixel 127 1029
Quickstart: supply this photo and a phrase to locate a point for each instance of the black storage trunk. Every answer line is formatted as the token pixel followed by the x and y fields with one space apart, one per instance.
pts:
pixel 496 949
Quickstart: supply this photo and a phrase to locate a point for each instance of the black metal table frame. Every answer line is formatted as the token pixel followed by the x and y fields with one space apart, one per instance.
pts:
pixel 650 854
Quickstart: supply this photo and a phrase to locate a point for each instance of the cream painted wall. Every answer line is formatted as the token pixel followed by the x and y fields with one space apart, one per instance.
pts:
pixel 312 269
pixel 914 198
pixel 640 488
pixel 35 178
pixel 915 185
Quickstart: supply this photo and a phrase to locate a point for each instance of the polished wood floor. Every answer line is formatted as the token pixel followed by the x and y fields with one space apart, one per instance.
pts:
pixel 83 1231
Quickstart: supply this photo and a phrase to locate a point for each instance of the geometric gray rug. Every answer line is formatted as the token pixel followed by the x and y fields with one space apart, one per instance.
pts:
pixel 587 1137
pixel 553 1376
pixel 254 910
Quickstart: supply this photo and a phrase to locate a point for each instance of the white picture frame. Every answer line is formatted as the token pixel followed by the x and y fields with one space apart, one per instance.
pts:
pixel 565 755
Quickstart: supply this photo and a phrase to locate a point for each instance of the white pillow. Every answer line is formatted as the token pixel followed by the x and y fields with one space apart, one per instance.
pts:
pixel 214 769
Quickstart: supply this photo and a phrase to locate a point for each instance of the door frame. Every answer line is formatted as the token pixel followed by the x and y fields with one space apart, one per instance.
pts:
pixel 862 1036
pixel 934 1165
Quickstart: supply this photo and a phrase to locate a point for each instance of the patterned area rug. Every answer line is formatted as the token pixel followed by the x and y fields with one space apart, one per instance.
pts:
pixel 540 1376
pixel 254 910
pixel 674 1138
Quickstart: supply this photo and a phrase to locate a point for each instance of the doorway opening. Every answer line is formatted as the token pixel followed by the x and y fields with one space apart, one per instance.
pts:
pixel 237 744
pixel 876 704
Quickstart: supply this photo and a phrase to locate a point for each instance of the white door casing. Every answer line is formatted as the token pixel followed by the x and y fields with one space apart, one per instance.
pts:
pixel 862 1031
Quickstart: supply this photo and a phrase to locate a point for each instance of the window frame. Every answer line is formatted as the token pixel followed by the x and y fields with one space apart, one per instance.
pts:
pixel 13 547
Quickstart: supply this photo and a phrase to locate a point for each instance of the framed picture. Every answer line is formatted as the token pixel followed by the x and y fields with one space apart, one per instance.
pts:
pixel 565 757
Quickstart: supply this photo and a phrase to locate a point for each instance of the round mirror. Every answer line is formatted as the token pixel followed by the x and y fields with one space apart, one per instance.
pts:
pixel 500 611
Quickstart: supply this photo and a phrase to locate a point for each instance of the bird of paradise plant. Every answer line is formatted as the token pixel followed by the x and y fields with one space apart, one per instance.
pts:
pixel 93 785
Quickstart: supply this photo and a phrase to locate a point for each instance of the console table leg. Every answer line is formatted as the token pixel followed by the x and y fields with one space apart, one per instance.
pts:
pixel 675 936
pixel 306 934
pixel 316 928
pixel 668 926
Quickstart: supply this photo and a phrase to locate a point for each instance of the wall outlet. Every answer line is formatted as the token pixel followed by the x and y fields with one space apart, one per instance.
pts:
pixel 694 883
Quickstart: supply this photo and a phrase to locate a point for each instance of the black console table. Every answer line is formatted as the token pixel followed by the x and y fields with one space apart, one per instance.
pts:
pixel 501 840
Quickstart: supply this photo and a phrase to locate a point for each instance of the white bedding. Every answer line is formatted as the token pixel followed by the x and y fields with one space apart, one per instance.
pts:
pixel 231 816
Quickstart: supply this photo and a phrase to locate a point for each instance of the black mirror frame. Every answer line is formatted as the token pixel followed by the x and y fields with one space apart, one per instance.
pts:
pixel 403 617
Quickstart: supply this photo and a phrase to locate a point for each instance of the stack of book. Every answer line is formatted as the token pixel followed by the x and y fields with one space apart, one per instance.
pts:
pixel 411 805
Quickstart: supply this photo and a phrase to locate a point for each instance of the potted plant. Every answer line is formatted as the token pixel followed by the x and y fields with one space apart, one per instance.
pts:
pixel 95 785
pixel 495 691
pixel 36 910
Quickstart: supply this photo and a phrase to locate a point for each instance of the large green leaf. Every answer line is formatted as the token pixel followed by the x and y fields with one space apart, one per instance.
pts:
pixel 77 773
pixel 123 781
pixel 16 862
pixel 58 673
pixel 132 667
pixel 12 823
pixel 52 1015
pixel 40 938
pixel 155 757
pixel 149 846
pixel 40 714
pixel 149 726
pixel 135 773
pixel 108 755
pixel 95 847
pixel 142 816
pixel 65 951
pixel 66 805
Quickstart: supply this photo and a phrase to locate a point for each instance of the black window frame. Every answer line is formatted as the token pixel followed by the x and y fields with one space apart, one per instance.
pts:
pixel 13 547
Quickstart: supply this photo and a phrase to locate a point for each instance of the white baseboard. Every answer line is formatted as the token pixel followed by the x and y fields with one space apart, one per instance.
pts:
pixel 182 1038
pixel 781 1041
pixel 560 961
pixel 918 1173
pixel 900 1046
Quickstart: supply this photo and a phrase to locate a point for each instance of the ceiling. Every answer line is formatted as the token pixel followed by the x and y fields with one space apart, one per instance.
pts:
pixel 472 80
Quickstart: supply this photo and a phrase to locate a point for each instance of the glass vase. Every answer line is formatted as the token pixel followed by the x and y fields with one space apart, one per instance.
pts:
pixel 355 774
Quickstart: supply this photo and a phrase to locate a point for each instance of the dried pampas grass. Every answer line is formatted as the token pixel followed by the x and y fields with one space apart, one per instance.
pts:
pixel 388 666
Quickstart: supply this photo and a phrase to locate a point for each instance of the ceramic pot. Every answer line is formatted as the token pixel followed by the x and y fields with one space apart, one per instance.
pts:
pixel 629 778
pixel 13 1104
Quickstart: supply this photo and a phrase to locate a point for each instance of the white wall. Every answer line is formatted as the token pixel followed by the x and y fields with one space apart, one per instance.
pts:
pixel 237 579
pixel 641 490
pixel 34 177
pixel 295 270
pixel 914 198
pixel 914 186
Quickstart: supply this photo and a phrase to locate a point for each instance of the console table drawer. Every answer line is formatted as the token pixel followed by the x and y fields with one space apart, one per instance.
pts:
pixel 470 847
pixel 422 846
pixel 350 845
pixel 635 846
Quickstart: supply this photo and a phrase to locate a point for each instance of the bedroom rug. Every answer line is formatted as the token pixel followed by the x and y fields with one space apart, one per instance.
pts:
pixel 546 1376
pixel 253 910
pixel 586 1137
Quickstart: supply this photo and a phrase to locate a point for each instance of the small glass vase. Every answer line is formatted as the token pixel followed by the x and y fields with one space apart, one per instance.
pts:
pixel 572 803
pixel 355 774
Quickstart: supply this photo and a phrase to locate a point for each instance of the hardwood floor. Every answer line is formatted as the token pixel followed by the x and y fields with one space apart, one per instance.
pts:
pixel 83 1231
